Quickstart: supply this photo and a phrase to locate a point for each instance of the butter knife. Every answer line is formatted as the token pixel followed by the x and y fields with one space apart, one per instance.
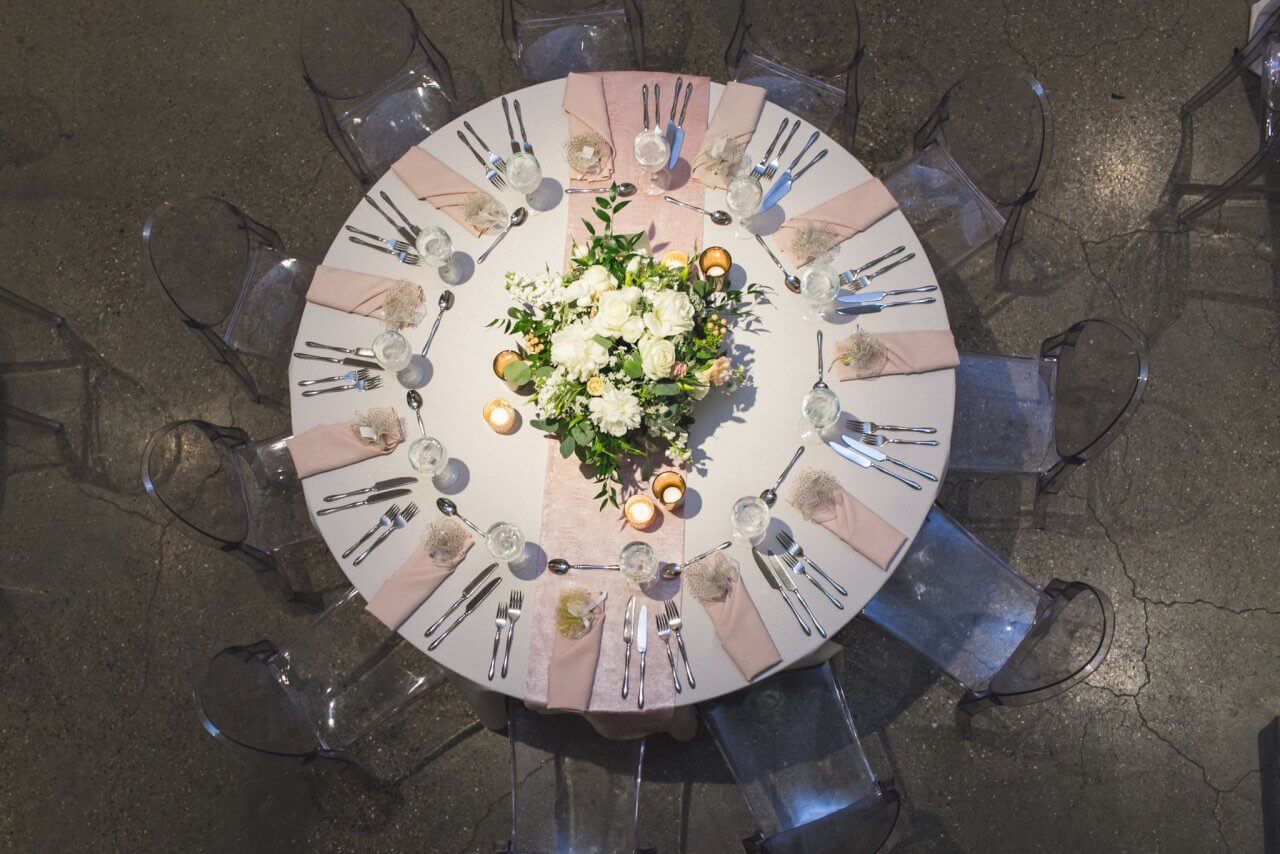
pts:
pixel 873 307
pixel 784 575
pixel 854 456
pixel 628 622
pixel 783 186
pixel 770 576
pixel 642 644
pixel 671 120
pixel 362 352
pixel 879 455
pixel 679 140
pixel 471 606
pixel 466 593
pixel 878 296
pixel 372 499
pixel 348 361
pixel 377 487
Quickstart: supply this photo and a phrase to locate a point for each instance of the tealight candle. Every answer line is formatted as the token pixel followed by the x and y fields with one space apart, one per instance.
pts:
pixel 668 487
pixel 640 512
pixel 500 416
pixel 715 262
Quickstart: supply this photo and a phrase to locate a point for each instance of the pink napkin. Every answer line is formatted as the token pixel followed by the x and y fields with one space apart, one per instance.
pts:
pixel 736 117
pixel 411 585
pixel 332 446
pixel 345 290
pixel 741 631
pixel 907 353
pixel 571 673
pixel 436 184
pixel 844 216
pixel 585 104
pixel 860 527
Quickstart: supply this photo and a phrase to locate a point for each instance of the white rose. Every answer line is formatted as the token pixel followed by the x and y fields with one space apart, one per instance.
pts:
pixel 615 309
pixel 615 412
pixel 657 357
pixel 703 378
pixel 633 329
pixel 575 292
pixel 672 314
pixel 576 350
pixel 597 280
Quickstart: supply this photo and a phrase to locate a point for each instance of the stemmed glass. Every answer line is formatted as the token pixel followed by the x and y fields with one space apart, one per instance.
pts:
pixel 504 541
pixel 639 566
pixel 818 285
pixel 428 455
pixel 651 151
pixel 524 174
pixel 750 519
pixel 435 245
pixel 742 198
pixel 392 350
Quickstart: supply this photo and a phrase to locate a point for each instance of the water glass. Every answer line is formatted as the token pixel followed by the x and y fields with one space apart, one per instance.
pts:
pixel 750 519
pixel 435 245
pixel 639 566
pixel 392 350
pixel 819 285
pixel 504 541
pixel 428 455
pixel 820 407
pixel 651 151
pixel 743 198
pixel 524 174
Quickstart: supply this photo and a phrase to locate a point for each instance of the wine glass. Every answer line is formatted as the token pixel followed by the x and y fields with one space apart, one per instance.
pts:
pixel 392 350
pixel 504 541
pixel 524 174
pixel 651 152
pixel 820 407
pixel 750 519
pixel 742 198
pixel 818 285
pixel 435 245
pixel 639 565
pixel 428 455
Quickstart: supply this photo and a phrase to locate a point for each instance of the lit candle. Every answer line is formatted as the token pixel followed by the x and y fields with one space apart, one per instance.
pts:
pixel 640 512
pixel 715 271
pixel 715 262
pixel 499 415
pixel 669 488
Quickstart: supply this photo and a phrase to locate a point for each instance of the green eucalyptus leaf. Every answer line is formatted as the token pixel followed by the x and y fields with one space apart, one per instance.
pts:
pixel 567 445
pixel 517 373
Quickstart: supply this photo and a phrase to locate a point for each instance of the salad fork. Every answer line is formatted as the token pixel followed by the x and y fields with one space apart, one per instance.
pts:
pixel 348 377
pixel 397 245
pixel 793 548
pixel 759 169
pixel 501 623
pixel 664 633
pixel 400 521
pixel 402 257
pixel 490 173
pixel 677 623
pixel 878 440
pixel 513 611
pixel 363 385
pixel 498 162
pixel 772 168
pixel 385 521
pixel 798 566
pixel 872 427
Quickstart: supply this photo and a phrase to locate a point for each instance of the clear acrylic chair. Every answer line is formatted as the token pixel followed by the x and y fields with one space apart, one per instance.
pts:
pixel 1044 416
pixel 980 159
pixel 791 744
pixel 233 285
pixel 548 39
pixel 380 83
pixel 807 64
pixel 1262 49
pixel 230 493
pixel 7 410
pixel 317 695
pixel 572 790
pixel 1005 640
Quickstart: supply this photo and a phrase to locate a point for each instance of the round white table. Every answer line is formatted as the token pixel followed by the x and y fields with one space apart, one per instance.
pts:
pixel 742 440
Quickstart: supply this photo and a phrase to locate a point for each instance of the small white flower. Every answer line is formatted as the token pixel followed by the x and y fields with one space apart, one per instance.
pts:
pixel 657 357
pixel 672 314
pixel 576 349
pixel 615 412
pixel 633 265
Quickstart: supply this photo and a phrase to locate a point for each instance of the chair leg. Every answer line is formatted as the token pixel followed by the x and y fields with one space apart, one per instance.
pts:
pixel 23 304
pixel 1246 173
pixel 971 704
pixel 30 418
pixel 1213 87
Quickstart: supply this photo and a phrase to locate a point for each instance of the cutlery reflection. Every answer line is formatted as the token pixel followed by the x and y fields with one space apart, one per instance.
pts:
pixel 867 463
pixel 466 594
pixel 399 522
pixel 471 606
pixel 372 499
pixel 873 307
pixel 671 120
pixel 391 483
pixel 386 520
pixel 770 576
pixel 785 577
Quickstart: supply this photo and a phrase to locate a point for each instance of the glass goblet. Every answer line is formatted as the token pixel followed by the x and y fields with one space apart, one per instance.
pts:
pixel 392 350
pixel 818 285
pixel 435 245
pixel 820 407
pixel 750 519
pixel 651 151
pixel 639 566
pixel 524 174
pixel 428 455
pixel 742 198
pixel 504 541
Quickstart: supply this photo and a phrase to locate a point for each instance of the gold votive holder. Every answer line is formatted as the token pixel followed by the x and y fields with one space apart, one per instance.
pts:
pixel 669 488
pixel 501 362
pixel 714 262
pixel 640 511
pixel 501 416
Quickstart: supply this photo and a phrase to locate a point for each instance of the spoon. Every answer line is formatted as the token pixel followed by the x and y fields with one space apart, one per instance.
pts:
pixel 820 383
pixel 718 217
pixel 444 303
pixel 448 508
pixel 626 188
pixel 770 495
pixel 791 280
pixel 518 217
pixel 560 566
pixel 674 570
pixel 415 403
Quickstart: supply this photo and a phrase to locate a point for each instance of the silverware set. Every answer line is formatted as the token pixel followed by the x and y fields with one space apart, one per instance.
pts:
pixel 348 377
pixel 399 521
pixel 471 587
pixel 676 622
pixel 508 613
pixel 858 278
pixel 766 168
pixel 490 170
pixel 396 245
pixel 863 449
pixel 794 558
pixel 360 380
pixel 516 147
pixel 777 576
pixel 664 634
pixel 381 485
pixel 859 426
pixel 668 623
pixel 404 228
pixel 376 498
pixel 404 257
pixel 349 361
pixel 369 384
pixel 467 611
pixel 792 174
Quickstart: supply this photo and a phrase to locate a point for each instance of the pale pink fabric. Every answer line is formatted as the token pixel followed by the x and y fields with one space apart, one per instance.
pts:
pixel 847 214
pixel 332 446
pixel 859 526
pixel 584 102
pixel 571 673
pixel 346 290
pixel 411 585
pixel 736 117
pixel 741 630
pixel 907 353
pixel 436 184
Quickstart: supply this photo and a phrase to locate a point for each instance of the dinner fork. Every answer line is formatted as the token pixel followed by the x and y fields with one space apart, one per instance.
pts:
pixel 513 611
pixel 497 161
pixel 758 170
pixel 349 377
pixel 489 172
pixel 858 280
pixel 501 623
pixel 403 257
pixel 386 520
pixel 363 385
pixel 793 548
pixel 797 566
pixel 772 168
pixel 397 245
pixel 878 440
pixel 677 623
pixel 664 632
pixel 399 522
pixel 872 427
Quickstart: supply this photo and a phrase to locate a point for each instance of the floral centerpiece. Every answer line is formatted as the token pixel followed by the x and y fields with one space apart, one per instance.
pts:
pixel 620 348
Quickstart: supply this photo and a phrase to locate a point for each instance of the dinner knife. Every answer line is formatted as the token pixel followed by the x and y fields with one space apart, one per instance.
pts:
pixel 466 612
pixel 771 577
pixel 372 499
pixel 784 575
pixel 466 593
pixel 377 487
pixel 362 352
pixel 679 138
pixel 671 120
pixel 873 307
pixel 627 624
pixel 877 296
pixel 783 186
pixel 511 131
pixel 877 454
pixel 642 644
pixel 867 463
pixel 347 360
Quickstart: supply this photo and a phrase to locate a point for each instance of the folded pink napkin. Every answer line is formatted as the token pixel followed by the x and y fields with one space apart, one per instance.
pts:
pixel 736 117
pixel 905 353
pixel 571 672
pixel 345 290
pixel 741 631
pixel 411 585
pixel 438 185
pixel 332 446
pixel 834 221
pixel 860 527
pixel 588 113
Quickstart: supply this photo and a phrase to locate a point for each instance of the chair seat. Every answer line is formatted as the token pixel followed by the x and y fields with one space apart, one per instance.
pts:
pixel 1004 422
pixel 399 116
pixel 277 513
pixel 265 321
pixel 552 48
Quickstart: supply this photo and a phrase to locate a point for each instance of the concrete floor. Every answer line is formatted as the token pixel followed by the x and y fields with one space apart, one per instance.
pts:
pixel 106 109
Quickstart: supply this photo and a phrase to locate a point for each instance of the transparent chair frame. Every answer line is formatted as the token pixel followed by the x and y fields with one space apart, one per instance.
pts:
pixel 839 84
pixel 7 410
pixel 547 15
pixel 426 62
pixel 1264 48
